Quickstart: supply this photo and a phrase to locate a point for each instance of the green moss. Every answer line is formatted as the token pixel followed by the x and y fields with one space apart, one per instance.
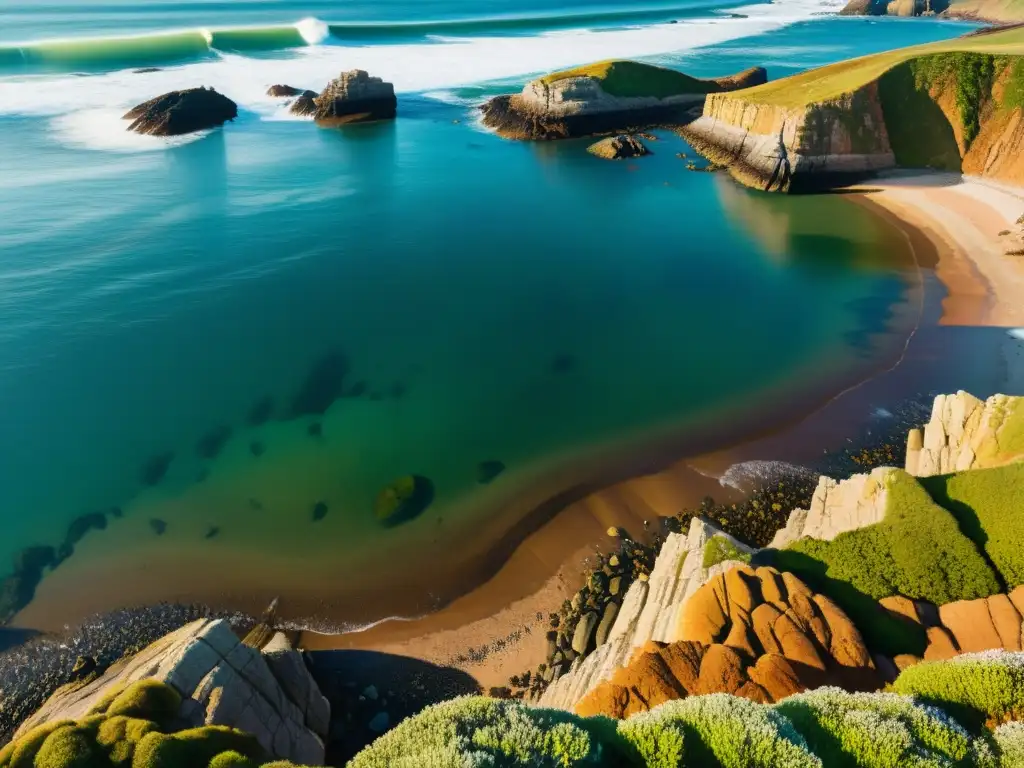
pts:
pixel 1011 433
pixel 148 700
pixel 976 688
pixel 193 747
pixel 631 78
pixel 719 549
pixel 231 760
pixel 919 133
pixel 989 505
pixel 970 75
pixel 70 747
pixel 917 550
pixel 24 750
pixel 404 499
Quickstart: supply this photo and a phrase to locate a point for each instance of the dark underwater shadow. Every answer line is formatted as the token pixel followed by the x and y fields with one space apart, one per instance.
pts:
pixel 360 685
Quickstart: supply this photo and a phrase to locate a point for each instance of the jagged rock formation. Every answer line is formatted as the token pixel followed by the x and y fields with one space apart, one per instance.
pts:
pixel 603 98
pixel 965 433
pixel 618 148
pixel 751 632
pixel 837 507
pixel 280 91
pixel 650 610
pixel 355 97
pixel 948 106
pixel 305 104
pixel 179 112
pixel 269 694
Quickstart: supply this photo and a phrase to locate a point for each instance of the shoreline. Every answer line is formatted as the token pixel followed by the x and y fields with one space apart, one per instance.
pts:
pixel 480 622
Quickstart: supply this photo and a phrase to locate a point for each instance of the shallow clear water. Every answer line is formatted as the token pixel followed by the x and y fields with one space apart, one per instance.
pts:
pixel 492 300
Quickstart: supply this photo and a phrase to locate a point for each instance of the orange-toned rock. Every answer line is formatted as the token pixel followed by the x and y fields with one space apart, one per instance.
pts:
pixel 721 671
pixel 1017 598
pixel 1006 621
pixel 704 617
pixel 847 647
pixel 901 607
pixel 970 624
pixel 773 590
pixel 763 620
pixel 607 699
pixel 904 660
pixel 754 692
pixel 776 676
pixel 941 645
pixel 683 660
pixel 796 646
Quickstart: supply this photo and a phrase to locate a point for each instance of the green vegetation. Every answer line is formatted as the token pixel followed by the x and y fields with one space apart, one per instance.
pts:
pixel 989 506
pixel 976 688
pixel 1009 739
pixel 919 133
pixel 879 730
pixel 845 77
pixel 719 549
pixel 917 550
pixel 127 729
pixel 971 74
pixel 632 78
pixel 404 499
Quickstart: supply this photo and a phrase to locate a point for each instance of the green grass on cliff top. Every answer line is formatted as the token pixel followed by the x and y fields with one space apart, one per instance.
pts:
pixel 631 78
pixel 845 77
pixel 1005 11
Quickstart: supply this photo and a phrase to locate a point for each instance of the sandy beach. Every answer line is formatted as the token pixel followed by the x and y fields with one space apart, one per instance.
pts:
pixel 953 226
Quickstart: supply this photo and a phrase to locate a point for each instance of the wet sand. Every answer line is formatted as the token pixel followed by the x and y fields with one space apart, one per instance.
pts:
pixel 971 298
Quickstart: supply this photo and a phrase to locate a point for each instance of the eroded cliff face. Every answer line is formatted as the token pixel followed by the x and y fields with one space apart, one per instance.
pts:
pixel 794 149
pixel 957 112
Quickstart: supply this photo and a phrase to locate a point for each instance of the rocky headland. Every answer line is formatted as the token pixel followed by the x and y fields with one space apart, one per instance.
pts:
pixel 993 11
pixel 355 97
pixel 949 106
pixel 181 112
pixel 605 97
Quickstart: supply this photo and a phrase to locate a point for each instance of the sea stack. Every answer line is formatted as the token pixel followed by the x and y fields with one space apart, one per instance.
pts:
pixel 180 112
pixel 606 97
pixel 305 105
pixel 355 97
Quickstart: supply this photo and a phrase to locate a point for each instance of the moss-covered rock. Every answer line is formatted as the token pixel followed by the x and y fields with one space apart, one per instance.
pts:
pixel 405 498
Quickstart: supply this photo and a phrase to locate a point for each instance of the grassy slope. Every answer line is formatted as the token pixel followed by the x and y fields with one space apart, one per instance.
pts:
pixel 990 10
pixel 845 77
pixel 631 78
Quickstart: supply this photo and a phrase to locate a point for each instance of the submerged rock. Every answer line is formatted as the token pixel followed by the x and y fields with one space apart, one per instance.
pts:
pixel 323 385
pixel 316 429
pixel 180 112
pixel 159 526
pixel 563 363
pixel 257 449
pixel 213 532
pixel 18 589
pixel 319 511
pixel 487 470
pixel 406 498
pixel 210 445
pixel 261 412
pixel 305 105
pixel 618 148
pixel 278 91
pixel 355 96
pixel 155 468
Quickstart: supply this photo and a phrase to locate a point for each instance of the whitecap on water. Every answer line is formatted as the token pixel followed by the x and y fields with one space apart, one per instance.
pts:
pixel 106 129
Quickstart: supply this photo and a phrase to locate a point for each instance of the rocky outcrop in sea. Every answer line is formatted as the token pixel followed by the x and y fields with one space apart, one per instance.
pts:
pixel 355 97
pixel 180 112
pixel 618 148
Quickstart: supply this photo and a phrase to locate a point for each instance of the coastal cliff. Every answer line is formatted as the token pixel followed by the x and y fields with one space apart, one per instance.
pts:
pixel 954 106
pixel 994 11
pixel 604 97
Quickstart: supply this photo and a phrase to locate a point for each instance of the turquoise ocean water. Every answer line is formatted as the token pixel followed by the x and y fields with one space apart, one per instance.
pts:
pixel 287 318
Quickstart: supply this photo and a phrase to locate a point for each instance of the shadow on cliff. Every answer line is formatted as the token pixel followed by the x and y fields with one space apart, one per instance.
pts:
pixel 371 692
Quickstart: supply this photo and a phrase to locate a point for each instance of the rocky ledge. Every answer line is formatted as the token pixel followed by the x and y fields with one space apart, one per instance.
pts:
pixel 355 97
pixel 180 112
pixel 605 98
pixel 618 148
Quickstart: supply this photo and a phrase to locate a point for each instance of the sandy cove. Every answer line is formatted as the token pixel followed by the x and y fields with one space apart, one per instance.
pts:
pixel 952 225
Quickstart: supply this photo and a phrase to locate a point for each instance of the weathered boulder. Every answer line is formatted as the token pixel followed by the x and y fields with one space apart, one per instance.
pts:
pixel 180 112
pixel 966 433
pixel 751 632
pixel 618 148
pixel 280 91
pixel 404 499
pixel 221 682
pixel 354 97
pixel 305 105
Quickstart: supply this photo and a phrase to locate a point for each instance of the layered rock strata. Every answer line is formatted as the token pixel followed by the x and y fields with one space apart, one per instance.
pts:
pixel 267 693
pixel 355 97
pixel 755 633
pixel 650 610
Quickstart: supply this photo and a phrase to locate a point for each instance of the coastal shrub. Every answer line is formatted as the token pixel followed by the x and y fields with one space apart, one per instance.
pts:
pixel 880 730
pixel 989 505
pixel 1009 739
pixel 195 746
pixel 474 730
pixel 720 549
pixel 70 747
pixel 653 742
pixel 970 75
pixel 975 688
pixel 147 699
pixel 231 759
pixel 633 78
pixel 733 732
pixel 919 133
pixel 916 550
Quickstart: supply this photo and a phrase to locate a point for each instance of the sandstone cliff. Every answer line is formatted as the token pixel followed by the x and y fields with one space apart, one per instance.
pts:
pixel 953 106
pixel 267 693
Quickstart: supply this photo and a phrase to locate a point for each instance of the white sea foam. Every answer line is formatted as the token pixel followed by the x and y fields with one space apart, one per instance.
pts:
pixel 89 109
pixel 313 31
